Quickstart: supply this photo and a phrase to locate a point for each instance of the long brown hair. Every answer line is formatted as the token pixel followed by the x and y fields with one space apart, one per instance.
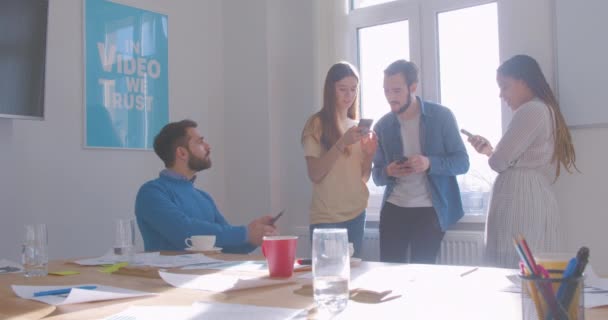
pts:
pixel 330 129
pixel 525 68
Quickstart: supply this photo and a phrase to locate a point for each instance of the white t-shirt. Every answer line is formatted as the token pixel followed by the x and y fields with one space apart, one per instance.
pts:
pixel 411 191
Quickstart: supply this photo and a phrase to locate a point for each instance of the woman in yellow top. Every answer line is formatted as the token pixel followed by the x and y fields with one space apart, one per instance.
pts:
pixel 339 156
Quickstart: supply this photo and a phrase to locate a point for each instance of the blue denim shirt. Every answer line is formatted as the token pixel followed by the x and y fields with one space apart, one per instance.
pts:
pixel 440 141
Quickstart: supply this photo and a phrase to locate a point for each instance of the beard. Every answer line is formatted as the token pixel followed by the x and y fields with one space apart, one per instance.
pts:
pixel 198 164
pixel 406 105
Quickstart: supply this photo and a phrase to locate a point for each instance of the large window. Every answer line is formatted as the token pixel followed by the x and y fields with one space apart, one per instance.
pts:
pixel 467 76
pixel 457 51
pixel 375 53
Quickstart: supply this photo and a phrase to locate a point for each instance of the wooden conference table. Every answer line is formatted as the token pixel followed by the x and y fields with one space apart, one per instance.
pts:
pixel 427 292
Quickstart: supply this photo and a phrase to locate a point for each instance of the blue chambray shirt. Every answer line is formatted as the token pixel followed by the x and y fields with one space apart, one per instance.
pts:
pixel 440 141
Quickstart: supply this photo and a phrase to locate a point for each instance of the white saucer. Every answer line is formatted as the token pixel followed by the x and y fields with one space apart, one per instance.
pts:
pixel 213 250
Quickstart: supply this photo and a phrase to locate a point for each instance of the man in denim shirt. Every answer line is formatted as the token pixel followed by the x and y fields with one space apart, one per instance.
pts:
pixel 419 154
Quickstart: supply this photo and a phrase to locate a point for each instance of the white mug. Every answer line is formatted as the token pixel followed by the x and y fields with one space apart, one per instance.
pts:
pixel 200 242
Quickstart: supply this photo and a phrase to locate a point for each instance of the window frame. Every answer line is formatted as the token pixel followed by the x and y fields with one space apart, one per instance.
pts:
pixel 422 16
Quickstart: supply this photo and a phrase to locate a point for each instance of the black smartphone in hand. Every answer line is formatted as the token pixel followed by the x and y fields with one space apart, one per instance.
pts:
pixel 466 133
pixel 402 160
pixel 365 125
pixel 274 220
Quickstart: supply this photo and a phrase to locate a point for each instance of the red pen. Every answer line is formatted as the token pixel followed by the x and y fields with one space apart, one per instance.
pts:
pixel 526 250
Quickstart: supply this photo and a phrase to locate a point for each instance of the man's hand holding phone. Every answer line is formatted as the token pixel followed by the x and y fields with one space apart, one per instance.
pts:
pixel 275 218
pixel 260 227
pixel 399 167
pixel 418 163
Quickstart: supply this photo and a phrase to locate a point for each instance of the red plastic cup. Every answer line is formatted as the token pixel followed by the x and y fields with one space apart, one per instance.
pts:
pixel 280 253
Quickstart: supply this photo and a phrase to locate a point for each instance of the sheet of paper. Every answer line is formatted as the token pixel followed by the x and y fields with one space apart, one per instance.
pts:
pixel 250 265
pixel 77 295
pixel 153 259
pixel 231 265
pixel 175 261
pixel 155 313
pixel 204 310
pixel 7 266
pixel 219 282
pixel 593 282
pixel 110 258
pixel 226 311
pixel 596 289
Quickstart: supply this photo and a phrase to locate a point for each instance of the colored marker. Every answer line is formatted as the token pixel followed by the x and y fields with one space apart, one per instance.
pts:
pixel 61 291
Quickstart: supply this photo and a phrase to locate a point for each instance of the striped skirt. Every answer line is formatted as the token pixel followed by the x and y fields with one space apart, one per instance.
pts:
pixel 523 203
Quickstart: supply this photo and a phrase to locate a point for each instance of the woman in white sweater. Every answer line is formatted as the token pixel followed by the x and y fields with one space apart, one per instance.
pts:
pixel 528 159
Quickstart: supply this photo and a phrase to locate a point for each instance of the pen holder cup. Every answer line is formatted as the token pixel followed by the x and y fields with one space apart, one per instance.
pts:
pixel 553 298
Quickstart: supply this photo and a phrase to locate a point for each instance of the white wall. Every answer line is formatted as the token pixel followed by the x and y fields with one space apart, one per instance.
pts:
pixel 45 173
pixel 268 71
pixel 291 101
pixel 582 197
pixel 245 110
pixel 242 69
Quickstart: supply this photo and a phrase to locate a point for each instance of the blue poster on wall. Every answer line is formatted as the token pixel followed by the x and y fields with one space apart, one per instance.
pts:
pixel 126 63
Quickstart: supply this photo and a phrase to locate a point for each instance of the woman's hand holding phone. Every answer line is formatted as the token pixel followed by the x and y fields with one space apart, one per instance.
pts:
pixel 369 144
pixel 365 125
pixel 481 144
pixel 351 136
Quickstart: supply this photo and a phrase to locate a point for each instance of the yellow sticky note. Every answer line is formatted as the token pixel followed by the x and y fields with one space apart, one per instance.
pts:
pixel 64 273
pixel 113 267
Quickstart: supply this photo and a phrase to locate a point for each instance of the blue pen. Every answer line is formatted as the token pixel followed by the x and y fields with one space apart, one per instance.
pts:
pixel 569 272
pixel 61 291
pixel 582 258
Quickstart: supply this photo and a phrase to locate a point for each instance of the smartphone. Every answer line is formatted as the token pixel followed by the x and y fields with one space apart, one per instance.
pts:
pixel 402 160
pixel 365 124
pixel 274 220
pixel 466 133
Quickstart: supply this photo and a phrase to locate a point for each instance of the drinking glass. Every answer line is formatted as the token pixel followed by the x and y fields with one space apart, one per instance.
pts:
pixel 330 269
pixel 124 239
pixel 552 298
pixel 34 252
